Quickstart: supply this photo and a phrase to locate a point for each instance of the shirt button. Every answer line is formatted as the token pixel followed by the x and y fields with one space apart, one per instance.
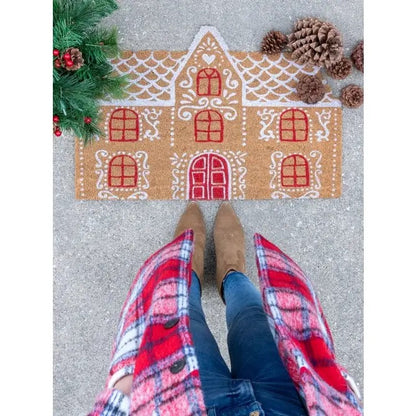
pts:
pixel 178 366
pixel 171 323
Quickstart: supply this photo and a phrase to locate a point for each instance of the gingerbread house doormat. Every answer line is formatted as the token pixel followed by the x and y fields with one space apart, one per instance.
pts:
pixel 210 123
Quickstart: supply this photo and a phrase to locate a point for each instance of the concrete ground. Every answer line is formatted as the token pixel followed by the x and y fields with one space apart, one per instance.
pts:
pixel 99 246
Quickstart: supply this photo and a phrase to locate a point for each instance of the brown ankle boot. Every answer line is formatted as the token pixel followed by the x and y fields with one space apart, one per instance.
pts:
pixel 229 243
pixel 193 218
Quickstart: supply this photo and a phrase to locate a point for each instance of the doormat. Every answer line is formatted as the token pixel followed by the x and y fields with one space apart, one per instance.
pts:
pixel 209 123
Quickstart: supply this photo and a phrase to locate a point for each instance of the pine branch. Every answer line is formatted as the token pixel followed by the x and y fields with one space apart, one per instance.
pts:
pixel 64 37
pixel 81 16
pixel 76 92
pixel 105 40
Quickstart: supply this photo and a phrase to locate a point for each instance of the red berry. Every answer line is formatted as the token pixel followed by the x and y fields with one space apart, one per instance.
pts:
pixel 87 120
pixel 58 132
pixel 57 63
pixel 56 119
pixel 69 63
pixel 55 52
pixel 67 56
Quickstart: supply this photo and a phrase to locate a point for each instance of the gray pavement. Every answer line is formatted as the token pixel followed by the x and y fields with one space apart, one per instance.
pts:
pixel 99 245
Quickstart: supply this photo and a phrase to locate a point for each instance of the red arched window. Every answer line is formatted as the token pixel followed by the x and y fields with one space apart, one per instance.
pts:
pixel 122 172
pixel 208 82
pixel 293 126
pixel 295 171
pixel 208 177
pixel 209 126
pixel 124 126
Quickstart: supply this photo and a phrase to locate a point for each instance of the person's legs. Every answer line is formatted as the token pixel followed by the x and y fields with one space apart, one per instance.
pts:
pixel 253 352
pixel 217 384
pixel 214 373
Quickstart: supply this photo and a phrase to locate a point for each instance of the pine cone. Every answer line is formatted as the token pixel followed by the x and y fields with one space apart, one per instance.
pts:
pixel 76 58
pixel 274 42
pixel 357 56
pixel 352 96
pixel 341 69
pixel 316 42
pixel 310 89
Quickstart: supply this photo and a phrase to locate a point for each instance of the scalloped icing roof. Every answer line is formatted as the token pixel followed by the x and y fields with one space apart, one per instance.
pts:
pixel 267 79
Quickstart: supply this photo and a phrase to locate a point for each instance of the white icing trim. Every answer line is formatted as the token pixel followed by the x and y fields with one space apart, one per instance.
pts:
pixel 328 100
pixel 103 159
pixel 310 191
pixel 197 39
pixel 137 103
pixel 275 103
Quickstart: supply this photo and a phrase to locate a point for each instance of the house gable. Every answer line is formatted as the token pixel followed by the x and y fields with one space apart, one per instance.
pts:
pixel 210 48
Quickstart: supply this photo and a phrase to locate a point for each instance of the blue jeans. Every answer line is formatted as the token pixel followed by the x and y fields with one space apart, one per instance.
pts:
pixel 258 380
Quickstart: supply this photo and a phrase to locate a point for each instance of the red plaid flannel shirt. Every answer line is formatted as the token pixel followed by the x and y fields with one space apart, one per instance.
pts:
pixel 154 342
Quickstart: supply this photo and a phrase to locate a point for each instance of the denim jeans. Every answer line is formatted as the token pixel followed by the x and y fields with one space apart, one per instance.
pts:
pixel 258 383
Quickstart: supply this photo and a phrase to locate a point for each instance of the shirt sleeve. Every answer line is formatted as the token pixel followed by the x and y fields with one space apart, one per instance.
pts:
pixel 111 402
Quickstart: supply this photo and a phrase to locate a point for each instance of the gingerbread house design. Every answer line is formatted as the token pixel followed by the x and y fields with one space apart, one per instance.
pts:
pixel 209 123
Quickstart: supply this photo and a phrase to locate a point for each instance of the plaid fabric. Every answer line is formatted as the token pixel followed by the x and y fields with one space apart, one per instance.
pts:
pixel 111 402
pixel 302 334
pixel 153 353
pixel 154 343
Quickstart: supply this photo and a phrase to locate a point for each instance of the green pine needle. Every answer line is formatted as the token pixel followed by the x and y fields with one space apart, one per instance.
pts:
pixel 76 93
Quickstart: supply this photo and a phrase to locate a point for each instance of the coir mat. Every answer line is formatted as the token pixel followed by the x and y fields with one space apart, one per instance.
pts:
pixel 210 123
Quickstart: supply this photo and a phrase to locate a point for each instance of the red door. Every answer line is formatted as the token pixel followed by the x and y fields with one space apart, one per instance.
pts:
pixel 208 177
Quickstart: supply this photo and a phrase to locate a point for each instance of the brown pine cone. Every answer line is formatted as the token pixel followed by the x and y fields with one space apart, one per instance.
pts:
pixel 316 42
pixel 357 56
pixel 274 42
pixel 341 69
pixel 310 89
pixel 352 96
pixel 76 58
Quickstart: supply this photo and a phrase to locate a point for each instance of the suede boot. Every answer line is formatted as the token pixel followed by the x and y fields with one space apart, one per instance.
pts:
pixel 229 244
pixel 192 218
